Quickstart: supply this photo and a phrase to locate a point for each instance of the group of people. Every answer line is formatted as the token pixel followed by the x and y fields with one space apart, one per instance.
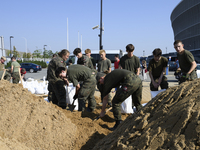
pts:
pixel 14 72
pixel 85 76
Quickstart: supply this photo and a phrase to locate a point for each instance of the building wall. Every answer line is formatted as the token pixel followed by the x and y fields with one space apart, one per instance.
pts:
pixel 185 19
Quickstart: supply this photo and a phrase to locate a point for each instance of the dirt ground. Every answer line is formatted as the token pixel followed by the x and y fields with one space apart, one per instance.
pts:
pixel 29 122
pixel 168 121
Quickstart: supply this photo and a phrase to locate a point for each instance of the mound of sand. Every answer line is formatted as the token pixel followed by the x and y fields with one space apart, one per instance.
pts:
pixel 31 121
pixel 169 121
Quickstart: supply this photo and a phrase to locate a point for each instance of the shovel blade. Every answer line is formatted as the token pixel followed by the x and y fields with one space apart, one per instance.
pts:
pixel 71 107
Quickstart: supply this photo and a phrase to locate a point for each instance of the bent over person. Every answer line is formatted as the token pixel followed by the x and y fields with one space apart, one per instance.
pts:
pixel 75 74
pixel 130 83
pixel 56 86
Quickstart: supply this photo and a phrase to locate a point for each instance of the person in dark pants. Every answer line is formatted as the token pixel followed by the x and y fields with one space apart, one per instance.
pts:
pixel 75 74
pixel 130 83
pixel 56 86
pixel 156 68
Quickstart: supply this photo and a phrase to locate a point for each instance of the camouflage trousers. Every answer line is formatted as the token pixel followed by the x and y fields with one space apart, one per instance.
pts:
pixel 192 76
pixel 132 85
pixel 86 92
pixel 15 77
pixel 163 84
pixel 57 93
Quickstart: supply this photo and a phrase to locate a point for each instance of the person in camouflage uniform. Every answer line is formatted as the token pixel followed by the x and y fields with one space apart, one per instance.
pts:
pixel 15 70
pixel 3 59
pixel 186 62
pixel 130 83
pixel 83 59
pixel 75 74
pixel 56 86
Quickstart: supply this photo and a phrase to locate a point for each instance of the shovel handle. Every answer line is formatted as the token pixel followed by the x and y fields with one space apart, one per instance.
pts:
pixel 3 74
pixel 105 113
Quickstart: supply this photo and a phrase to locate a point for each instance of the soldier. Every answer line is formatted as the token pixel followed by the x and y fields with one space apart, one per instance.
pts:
pixel 3 59
pixel 88 53
pixel 56 86
pixel 104 65
pixel 130 83
pixel 75 74
pixel 83 59
pixel 129 61
pixel 15 70
pixel 156 68
pixel 186 62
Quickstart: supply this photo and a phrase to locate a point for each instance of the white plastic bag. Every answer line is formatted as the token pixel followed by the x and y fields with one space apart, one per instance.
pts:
pixel 70 91
pixel 126 106
pixel 154 93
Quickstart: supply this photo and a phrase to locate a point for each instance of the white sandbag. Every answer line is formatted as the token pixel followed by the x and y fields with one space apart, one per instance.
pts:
pixel 154 93
pixel 46 99
pixel 126 106
pixel 134 108
pixel 70 92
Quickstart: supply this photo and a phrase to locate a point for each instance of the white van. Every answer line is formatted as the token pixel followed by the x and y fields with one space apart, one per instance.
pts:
pixel 110 54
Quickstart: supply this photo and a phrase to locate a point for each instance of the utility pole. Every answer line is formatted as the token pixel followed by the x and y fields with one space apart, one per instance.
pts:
pixel 100 40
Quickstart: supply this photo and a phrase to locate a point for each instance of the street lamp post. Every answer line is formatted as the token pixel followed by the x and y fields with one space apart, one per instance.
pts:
pixel 44 52
pixel 101 29
pixel 100 40
pixel 11 46
pixel 25 45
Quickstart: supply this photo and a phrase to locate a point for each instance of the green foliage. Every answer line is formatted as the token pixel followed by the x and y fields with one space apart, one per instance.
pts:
pixel 15 52
pixel 37 53
pixel 41 63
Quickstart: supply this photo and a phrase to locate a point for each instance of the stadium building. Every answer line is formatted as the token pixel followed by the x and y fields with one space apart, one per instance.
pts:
pixel 185 19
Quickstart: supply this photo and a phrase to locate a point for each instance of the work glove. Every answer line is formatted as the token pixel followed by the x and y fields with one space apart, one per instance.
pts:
pixel 186 76
pixel 75 96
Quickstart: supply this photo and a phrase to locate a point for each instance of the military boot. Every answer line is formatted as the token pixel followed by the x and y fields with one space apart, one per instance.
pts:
pixel 116 125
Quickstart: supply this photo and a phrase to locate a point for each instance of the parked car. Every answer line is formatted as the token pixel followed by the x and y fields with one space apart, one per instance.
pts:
pixel 31 67
pixel 198 70
pixel 172 66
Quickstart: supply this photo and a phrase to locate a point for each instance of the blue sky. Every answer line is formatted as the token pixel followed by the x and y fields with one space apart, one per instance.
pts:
pixel 144 23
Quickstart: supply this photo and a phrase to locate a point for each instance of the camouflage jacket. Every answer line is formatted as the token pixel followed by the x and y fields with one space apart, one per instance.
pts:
pixel 53 65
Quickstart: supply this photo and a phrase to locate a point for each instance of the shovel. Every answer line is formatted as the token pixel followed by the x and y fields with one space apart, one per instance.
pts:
pixel 3 74
pixel 72 106
pixel 105 113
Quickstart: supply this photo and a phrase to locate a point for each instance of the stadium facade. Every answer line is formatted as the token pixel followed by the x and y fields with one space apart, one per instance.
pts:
pixel 185 20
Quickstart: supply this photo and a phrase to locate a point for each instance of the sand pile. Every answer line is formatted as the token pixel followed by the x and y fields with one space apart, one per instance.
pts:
pixel 31 121
pixel 169 121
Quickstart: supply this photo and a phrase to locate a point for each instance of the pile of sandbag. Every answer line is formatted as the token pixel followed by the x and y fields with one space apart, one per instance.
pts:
pixel 36 87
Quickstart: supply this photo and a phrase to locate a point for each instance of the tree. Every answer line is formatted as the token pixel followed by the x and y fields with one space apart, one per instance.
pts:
pixel 15 52
pixel 37 53
pixel 24 55
pixel 50 53
pixel 45 54
pixel 28 55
